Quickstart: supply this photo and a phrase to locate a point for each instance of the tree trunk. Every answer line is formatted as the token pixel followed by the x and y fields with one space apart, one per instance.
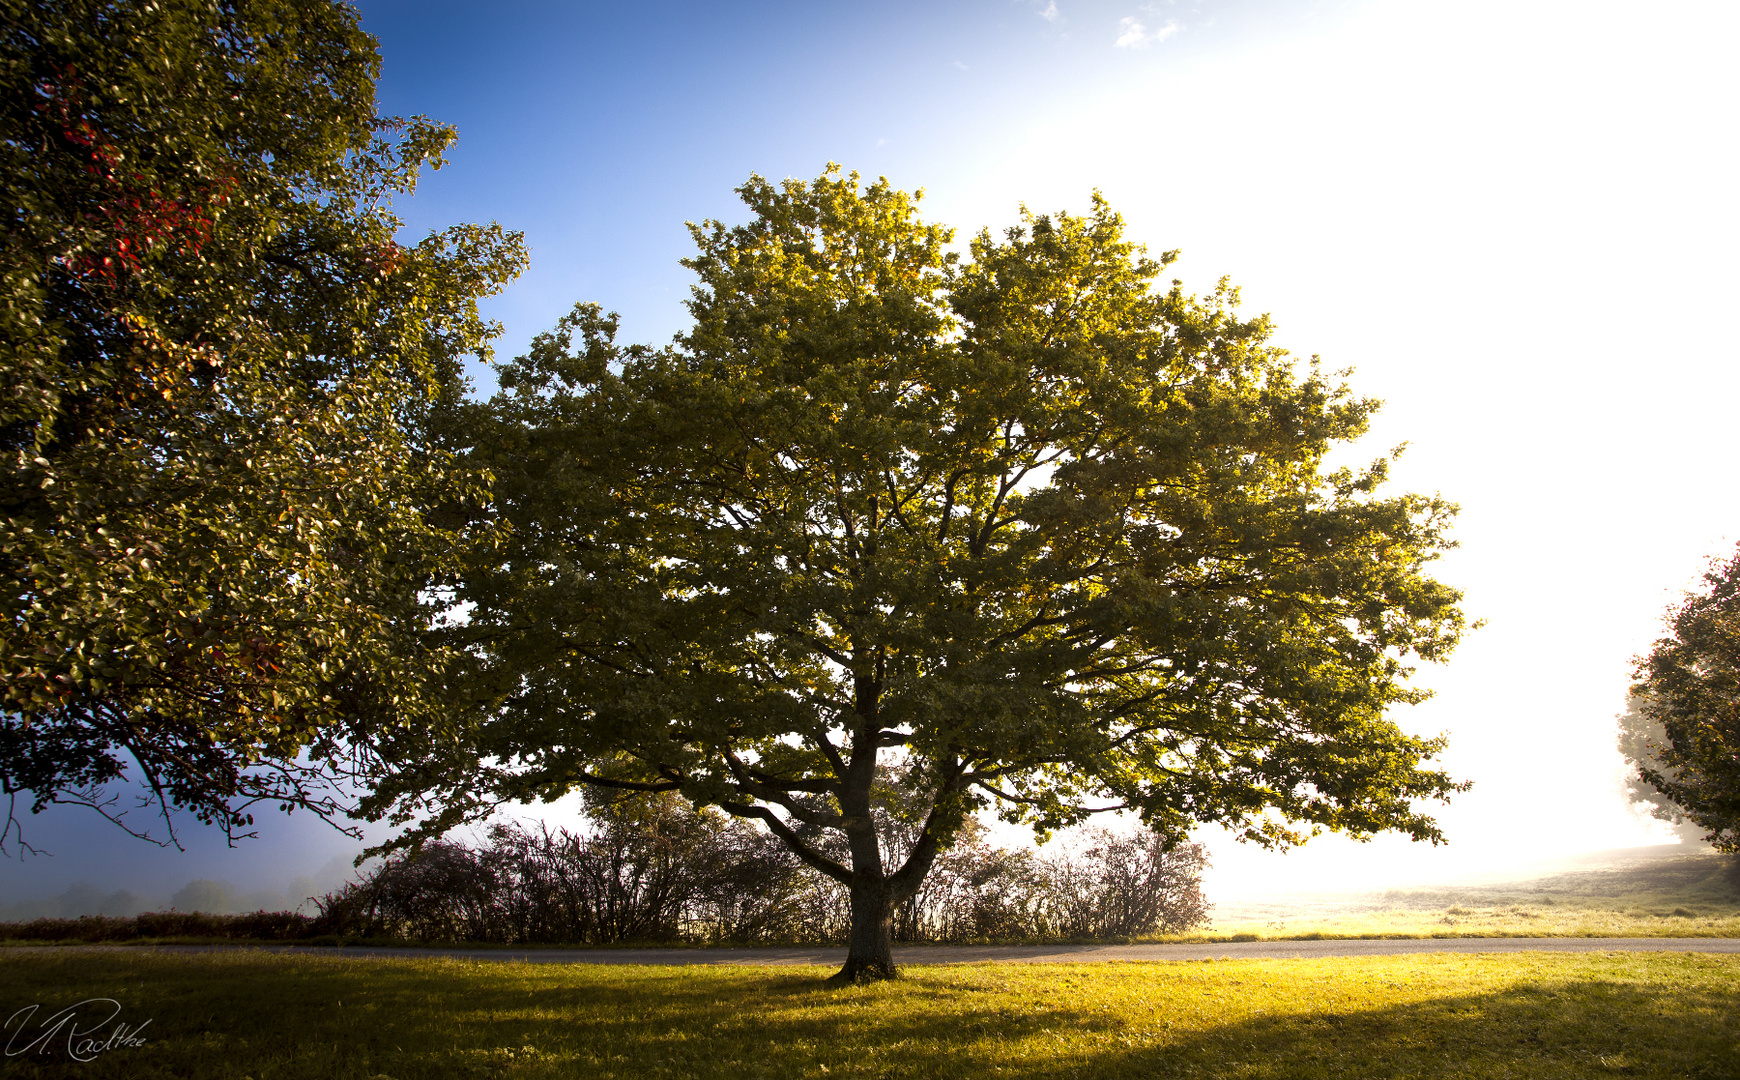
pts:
pixel 870 954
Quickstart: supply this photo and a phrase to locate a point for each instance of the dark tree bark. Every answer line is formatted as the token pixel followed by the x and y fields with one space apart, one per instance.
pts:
pixel 870 951
pixel 874 893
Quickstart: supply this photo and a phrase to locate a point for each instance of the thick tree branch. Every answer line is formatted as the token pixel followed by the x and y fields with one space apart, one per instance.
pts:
pixel 791 840
pixel 905 881
pixel 1027 800
pixel 629 785
pixel 812 787
pixel 746 783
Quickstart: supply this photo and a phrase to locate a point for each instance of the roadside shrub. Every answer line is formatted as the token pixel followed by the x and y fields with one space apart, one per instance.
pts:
pixel 1129 885
pixel 650 869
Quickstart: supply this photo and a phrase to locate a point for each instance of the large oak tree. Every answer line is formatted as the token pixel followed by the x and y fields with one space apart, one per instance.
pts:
pixel 223 499
pixel 1029 528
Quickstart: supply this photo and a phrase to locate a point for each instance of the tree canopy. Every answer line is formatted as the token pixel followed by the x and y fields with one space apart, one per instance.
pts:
pixel 1689 683
pixel 1034 531
pixel 223 498
pixel 1640 741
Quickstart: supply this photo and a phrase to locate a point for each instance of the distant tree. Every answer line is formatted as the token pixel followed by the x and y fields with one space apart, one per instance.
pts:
pixel 1689 684
pixel 211 897
pixel 1021 524
pixel 224 502
pixel 1640 742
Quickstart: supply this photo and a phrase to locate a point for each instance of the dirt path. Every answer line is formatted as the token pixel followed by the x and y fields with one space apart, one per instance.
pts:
pixel 1040 954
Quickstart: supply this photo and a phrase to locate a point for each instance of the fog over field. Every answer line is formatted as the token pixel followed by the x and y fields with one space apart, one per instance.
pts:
pixel 1513 219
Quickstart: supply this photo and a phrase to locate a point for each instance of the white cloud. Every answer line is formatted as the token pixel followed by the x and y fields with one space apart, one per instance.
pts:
pixel 1050 13
pixel 1132 34
pixel 960 65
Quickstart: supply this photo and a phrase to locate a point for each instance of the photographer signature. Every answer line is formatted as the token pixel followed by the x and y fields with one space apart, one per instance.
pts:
pixel 81 1025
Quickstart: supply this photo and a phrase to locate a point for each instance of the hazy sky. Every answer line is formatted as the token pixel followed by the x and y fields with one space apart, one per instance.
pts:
pixel 1514 219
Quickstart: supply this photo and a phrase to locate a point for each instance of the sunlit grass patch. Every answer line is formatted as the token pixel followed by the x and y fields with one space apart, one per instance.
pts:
pixel 273 1016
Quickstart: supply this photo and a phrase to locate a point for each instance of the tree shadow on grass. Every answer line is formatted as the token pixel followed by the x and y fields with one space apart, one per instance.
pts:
pixel 1586 1029
pixel 1578 1029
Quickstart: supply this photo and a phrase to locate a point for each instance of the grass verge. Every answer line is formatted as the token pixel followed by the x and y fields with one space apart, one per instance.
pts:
pixel 269 1016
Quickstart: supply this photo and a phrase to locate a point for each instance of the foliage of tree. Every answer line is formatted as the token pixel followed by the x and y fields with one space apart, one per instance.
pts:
pixel 1025 526
pixel 1640 740
pixel 222 500
pixel 1689 684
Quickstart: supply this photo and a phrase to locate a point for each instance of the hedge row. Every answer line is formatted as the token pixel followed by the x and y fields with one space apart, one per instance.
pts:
pixel 255 926
pixel 655 869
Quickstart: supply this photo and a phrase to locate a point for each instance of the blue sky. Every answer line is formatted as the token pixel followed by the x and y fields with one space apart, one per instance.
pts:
pixel 599 129
pixel 1514 218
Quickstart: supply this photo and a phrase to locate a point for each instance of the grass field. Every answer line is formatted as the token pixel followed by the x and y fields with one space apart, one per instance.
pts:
pixel 1659 892
pixel 268 1016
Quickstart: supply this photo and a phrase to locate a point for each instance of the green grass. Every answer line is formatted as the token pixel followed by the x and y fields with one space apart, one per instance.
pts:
pixel 267 1016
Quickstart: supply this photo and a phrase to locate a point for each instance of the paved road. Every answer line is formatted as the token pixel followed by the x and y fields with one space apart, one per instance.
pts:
pixel 1043 954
